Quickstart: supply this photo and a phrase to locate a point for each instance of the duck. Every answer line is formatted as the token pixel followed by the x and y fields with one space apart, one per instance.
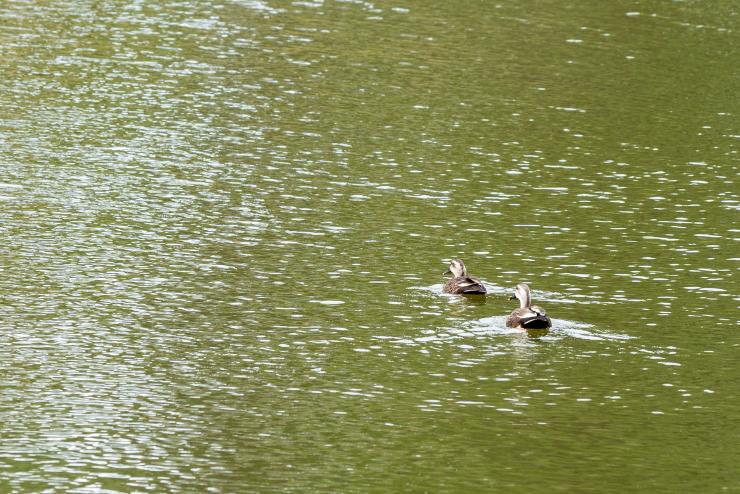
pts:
pixel 527 316
pixel 461 283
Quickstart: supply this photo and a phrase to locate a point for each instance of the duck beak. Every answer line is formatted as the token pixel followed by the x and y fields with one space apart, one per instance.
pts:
pixel 447 272
pixel 513 297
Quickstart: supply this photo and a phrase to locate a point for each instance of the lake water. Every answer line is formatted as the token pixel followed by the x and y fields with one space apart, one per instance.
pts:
pixel 225 224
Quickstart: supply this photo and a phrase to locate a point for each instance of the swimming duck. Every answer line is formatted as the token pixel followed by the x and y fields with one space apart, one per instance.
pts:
pixel 462 283
pixel 526 316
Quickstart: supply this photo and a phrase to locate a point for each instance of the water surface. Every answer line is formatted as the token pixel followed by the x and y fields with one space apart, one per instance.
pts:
pixel 225 225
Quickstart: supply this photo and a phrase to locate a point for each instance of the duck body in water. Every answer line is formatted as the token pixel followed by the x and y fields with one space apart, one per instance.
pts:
pixel 527 316
pixel 461 283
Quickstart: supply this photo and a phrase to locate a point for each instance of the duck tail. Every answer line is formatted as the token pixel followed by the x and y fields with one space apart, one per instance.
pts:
pixel 539 321
pixel 475 291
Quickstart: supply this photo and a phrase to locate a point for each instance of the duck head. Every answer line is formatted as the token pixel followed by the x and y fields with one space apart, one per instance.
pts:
pixel 522 293
pixel 457 268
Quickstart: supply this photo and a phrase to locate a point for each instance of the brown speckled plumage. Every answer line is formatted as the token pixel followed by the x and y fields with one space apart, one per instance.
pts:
pixel 461 283
pixel 527 316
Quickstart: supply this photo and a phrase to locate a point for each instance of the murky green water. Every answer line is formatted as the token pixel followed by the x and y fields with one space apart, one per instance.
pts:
pixel 224 226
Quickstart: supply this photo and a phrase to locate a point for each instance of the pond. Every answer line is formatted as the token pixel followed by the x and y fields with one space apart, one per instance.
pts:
pixel 225 225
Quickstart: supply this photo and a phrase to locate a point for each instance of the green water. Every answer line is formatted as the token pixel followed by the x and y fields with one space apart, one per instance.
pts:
pixel 224 226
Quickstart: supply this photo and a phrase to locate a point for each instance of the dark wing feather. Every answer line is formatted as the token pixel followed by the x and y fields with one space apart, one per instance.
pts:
pixel 465 285
pixel 472 285
pixel 528 318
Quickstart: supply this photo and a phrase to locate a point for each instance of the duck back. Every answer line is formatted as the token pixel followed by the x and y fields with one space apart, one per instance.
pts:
pixel 464 285
pixel 528 318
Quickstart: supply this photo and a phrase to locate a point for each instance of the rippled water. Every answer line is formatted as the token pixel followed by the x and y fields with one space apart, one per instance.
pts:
pixel 225 225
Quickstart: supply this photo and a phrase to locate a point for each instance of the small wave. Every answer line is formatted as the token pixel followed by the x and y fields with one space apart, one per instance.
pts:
pixel 437 289
pixel 560 328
